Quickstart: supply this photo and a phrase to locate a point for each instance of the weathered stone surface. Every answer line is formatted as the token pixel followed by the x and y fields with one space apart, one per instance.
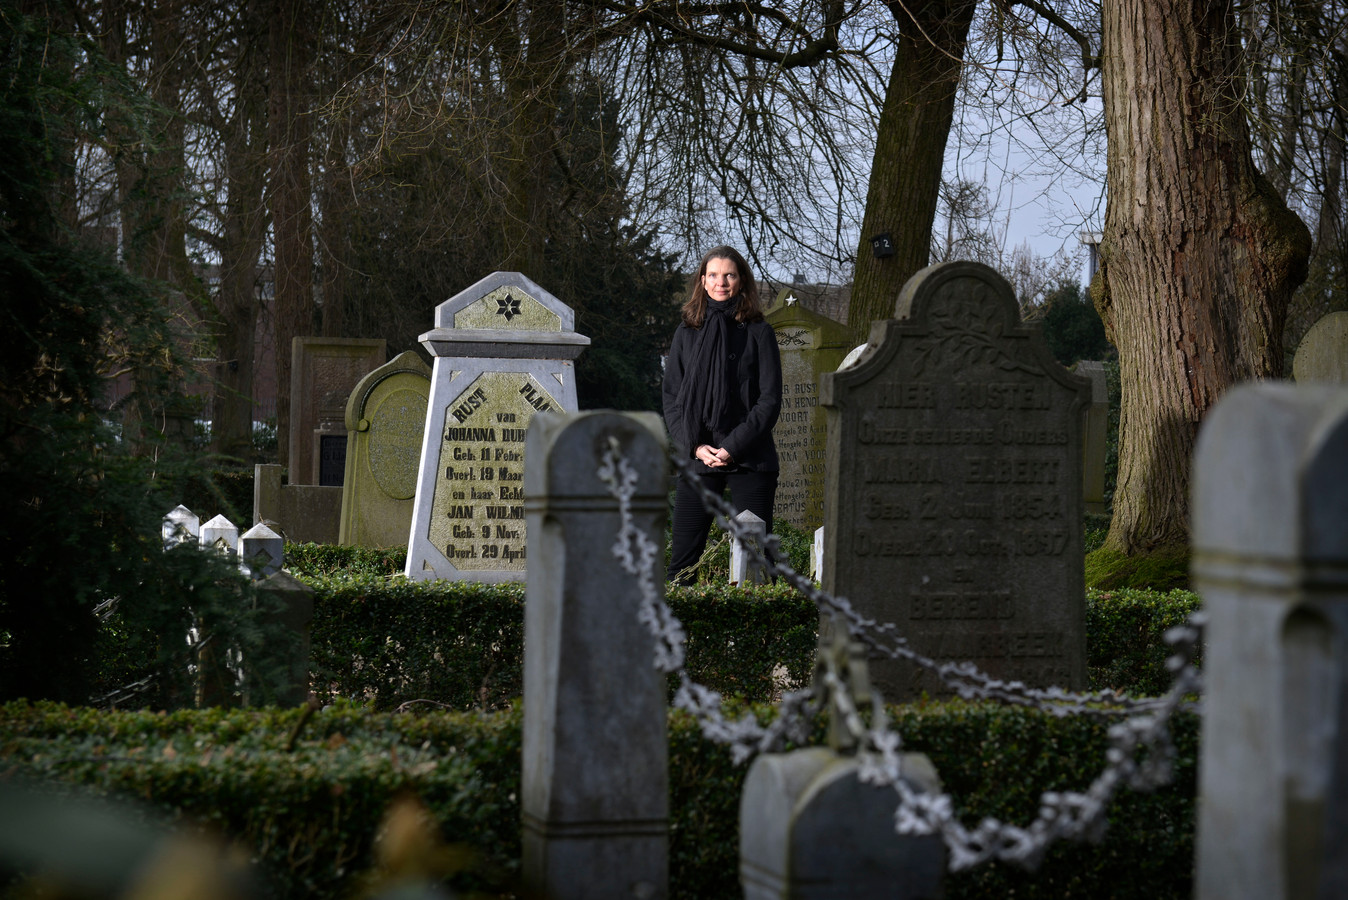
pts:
pixel 322 373
pixel 180 526
pixel 1322 355
pixel 810 828
pixel 743 569
pixel 220 535
pixel 1270 557
pixel 953 504
pixel 261 552
pixel 594 782
pixel 385 422
pixel 809 345
pixel 1096 436
pixel 503 352
pixel 298 512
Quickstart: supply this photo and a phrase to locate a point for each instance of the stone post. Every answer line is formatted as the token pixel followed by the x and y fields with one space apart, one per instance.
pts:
pixel 811 828
pixel 267 493
pixel 261 552
pixel 180 526
pixel 222 536
pixel 595 786
pixel 743 570
pixel 817 555
pixel 1270 557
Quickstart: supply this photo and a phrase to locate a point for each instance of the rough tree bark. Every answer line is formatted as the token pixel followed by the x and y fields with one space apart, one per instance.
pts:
pixel 537 58
pixel 289 127
pixel 243 231
pixel 1200 255
pixel 910 144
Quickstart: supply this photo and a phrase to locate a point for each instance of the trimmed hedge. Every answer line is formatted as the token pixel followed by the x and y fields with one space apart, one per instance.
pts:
pixel 309 815
pixel 1125 637
pixel 391 641
pixel 387 641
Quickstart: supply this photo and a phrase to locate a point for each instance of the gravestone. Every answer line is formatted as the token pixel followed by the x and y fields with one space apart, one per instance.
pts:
pixel 180 526
pixel 953 505
pixel 289 605
pixel 503 351
pixel 1270 558
pixel 322 373
pixel 809 345
pixel 385 420
pixel 594 787
pixel 1096 436
pixel 743 568
pixel 222 536
pixel 812 828
pixel 1322 355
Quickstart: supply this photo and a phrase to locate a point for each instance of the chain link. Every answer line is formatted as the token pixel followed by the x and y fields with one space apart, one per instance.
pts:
pixel 1141 750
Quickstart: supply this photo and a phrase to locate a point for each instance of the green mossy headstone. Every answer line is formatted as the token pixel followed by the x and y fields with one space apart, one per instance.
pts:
pixel 385 419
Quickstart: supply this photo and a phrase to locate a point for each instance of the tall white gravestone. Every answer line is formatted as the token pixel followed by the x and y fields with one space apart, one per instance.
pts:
pixel 503 351
pixel 1270 558
pixel 594 786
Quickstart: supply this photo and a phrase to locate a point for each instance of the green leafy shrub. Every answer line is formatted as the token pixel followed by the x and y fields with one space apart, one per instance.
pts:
pixel 208 493
pixel 1126 637
pixel 334 559
pixel 388 640
pixel 309 814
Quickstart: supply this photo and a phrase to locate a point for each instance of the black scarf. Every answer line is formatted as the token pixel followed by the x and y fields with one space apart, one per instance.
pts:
pixel 704 396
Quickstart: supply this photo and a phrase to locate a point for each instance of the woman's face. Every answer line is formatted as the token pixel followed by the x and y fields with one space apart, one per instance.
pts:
pixel 721 281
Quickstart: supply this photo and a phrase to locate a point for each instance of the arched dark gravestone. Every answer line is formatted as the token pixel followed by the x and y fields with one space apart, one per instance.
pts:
pixel 953 502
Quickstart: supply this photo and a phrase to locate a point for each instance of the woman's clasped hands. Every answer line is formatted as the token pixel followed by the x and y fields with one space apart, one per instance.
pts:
pixel 713 457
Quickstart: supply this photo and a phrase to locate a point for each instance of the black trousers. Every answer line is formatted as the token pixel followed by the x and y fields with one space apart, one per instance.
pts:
pixel 754 491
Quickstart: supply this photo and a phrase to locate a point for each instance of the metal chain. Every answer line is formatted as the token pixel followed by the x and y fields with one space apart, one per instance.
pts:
pixel 1141 750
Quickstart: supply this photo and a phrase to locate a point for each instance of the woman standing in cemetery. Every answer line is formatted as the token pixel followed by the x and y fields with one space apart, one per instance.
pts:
pixel 722 393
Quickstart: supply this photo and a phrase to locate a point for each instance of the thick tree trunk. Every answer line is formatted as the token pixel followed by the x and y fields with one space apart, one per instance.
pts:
pixel 242 127
pixel 245 228
pixel 909 153
pixel 150 167
pixel 334 246
pixel 289 128
pixel 539 62
pixel 1199 258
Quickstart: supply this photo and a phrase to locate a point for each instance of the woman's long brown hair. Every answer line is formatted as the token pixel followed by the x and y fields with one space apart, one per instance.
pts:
pixel 750 310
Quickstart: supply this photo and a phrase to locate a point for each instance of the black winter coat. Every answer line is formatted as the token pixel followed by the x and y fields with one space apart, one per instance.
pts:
pixel 758 372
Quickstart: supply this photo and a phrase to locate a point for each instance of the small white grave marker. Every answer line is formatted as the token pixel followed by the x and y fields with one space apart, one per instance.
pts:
pixel 261 552
pixel 180 526
pixel 220 535
pixel 743 570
